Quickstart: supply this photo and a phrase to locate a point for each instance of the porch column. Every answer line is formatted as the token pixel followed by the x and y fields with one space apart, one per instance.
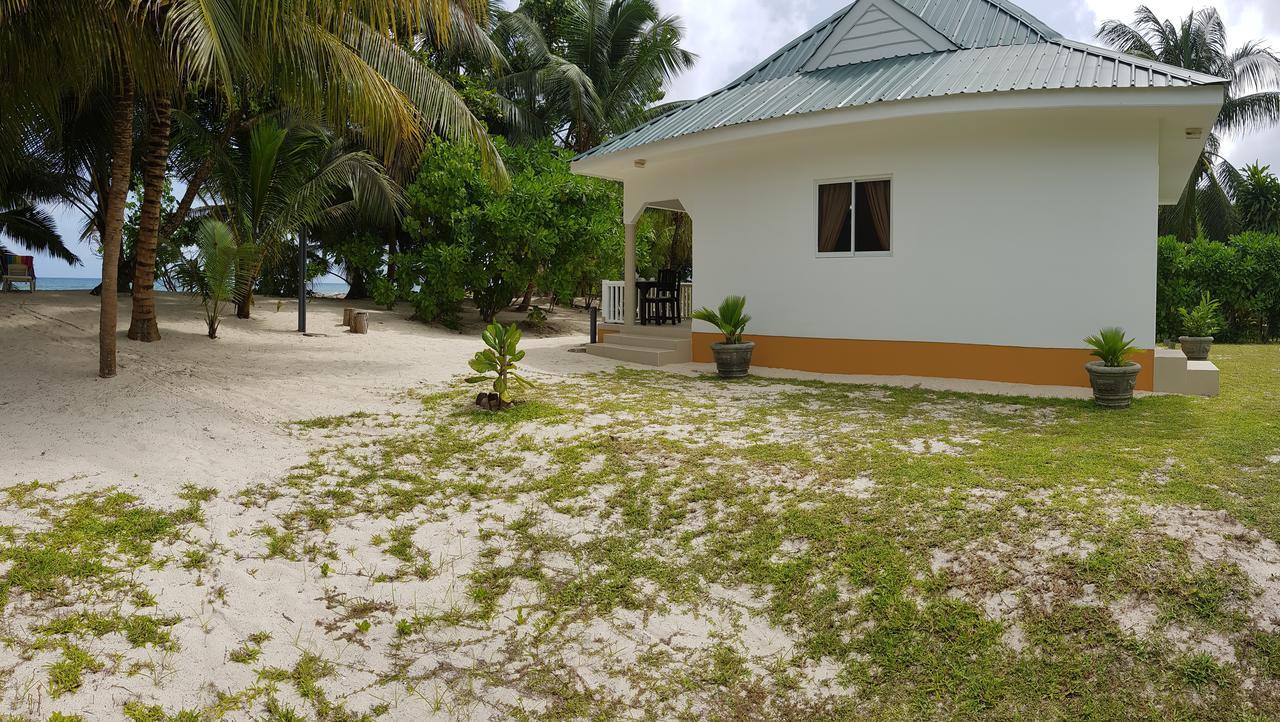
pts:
pixel 629 278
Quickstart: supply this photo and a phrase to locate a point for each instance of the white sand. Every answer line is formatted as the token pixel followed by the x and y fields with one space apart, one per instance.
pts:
pixel 188 409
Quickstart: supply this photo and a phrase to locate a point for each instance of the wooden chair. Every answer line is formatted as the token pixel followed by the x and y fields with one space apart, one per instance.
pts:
pixel 661 303
pixel 18 273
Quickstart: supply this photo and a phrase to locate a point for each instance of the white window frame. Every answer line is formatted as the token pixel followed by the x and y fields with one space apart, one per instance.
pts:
pixel 853 217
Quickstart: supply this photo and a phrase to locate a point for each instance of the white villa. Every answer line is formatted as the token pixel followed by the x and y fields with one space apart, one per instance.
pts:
pixel 939 188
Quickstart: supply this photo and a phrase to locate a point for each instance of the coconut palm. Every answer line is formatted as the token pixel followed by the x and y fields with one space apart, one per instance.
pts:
pixel 1252 71
pixel 350 61
pixel 603 76
pixel 282 177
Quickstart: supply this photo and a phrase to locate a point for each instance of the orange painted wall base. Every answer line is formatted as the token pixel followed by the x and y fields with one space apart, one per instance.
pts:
pixel 1009 364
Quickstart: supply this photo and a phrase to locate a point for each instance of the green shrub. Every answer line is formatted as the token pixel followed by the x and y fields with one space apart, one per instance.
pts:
pixel 465 238
pixel 1243 274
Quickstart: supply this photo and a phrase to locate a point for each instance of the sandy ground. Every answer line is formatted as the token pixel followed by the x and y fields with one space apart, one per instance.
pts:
pixel 193 410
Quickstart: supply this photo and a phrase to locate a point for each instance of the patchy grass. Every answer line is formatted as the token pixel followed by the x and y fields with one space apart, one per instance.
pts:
pixel 906 552
pixel 647 545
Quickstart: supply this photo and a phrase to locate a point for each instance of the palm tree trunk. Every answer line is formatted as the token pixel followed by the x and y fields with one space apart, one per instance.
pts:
pixel 155 166
pixel 244 306
pixel 118 193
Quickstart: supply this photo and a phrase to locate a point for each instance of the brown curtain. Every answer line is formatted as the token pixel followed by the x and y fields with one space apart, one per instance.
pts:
pixel 834 203
pixel 878 202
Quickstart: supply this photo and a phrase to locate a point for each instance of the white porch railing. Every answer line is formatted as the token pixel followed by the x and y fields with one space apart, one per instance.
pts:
pixel 613 295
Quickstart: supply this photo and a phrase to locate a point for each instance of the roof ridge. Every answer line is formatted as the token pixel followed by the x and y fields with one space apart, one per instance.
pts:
pixel 1026 18
pixel 825 25
pixel 929 12
pixel 1114 54
pixel 984 31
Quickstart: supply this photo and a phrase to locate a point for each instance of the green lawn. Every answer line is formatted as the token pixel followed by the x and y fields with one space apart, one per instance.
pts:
pixel 649 545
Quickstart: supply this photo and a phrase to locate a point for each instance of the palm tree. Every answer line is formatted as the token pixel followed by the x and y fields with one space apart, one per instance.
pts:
pixel 279 179
pixel 1258 199
pixel 33 229
pixel 23 221
pixel 344 60
pixel 603 76
pixel 369 91
pixel 1252 72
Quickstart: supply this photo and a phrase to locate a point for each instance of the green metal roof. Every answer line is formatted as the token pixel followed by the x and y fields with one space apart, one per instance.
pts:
pixel 999 47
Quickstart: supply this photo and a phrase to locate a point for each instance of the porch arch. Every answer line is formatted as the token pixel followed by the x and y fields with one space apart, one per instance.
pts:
pixel 631 221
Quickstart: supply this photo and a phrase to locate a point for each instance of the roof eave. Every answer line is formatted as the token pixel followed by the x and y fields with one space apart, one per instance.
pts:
pixel 613 165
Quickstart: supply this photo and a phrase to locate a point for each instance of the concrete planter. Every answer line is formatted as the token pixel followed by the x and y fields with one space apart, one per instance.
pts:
pixel 733 361
pixel 1113 385
pixel 1196 347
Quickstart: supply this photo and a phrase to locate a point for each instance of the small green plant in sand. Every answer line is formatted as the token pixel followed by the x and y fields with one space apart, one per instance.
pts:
pixel 212 274
pixel 499 359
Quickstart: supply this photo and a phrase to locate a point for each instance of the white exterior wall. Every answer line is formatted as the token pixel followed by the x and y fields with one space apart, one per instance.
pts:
pixel 1029 228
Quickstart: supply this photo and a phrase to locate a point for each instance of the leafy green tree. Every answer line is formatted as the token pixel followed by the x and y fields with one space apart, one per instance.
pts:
pixel 551 228
pixel 1258 199
pixel 602 72
pixel 1199 42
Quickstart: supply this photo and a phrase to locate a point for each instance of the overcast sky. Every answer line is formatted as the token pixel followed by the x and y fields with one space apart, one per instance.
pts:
pixel 731 36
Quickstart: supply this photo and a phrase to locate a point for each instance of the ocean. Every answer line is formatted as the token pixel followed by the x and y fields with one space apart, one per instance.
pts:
pixel 45 283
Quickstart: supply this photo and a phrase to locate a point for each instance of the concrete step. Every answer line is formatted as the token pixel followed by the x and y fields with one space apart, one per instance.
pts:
pixel 646 355
pixel 1202 379
pixel 670 343
pixel 1174 374
pixel 664 330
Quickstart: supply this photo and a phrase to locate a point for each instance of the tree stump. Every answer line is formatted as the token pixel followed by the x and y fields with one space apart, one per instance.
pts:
pixel 360 322
pixel 348 315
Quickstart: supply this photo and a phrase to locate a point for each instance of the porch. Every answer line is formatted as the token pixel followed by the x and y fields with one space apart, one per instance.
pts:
pixel 623 337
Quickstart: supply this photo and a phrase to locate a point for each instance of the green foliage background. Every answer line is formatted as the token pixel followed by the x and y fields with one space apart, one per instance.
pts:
pixel 553 229
pixel 1243 273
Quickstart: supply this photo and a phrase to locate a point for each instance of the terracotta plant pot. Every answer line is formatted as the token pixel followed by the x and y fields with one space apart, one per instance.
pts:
pixel 1196 347
pixel 1113 385
pixel 733 361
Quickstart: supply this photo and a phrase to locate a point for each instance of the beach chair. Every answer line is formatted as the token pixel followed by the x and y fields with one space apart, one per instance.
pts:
pixel 18 272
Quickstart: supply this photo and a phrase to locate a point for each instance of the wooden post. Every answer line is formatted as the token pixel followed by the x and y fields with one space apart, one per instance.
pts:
pixel 348 315
pixel 360 322
pixel 302 282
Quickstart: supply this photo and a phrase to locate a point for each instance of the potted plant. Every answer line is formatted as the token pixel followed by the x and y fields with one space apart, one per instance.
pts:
pixel 1199 324
pixel 733 357
pixel 1113 376
pixel 499 359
